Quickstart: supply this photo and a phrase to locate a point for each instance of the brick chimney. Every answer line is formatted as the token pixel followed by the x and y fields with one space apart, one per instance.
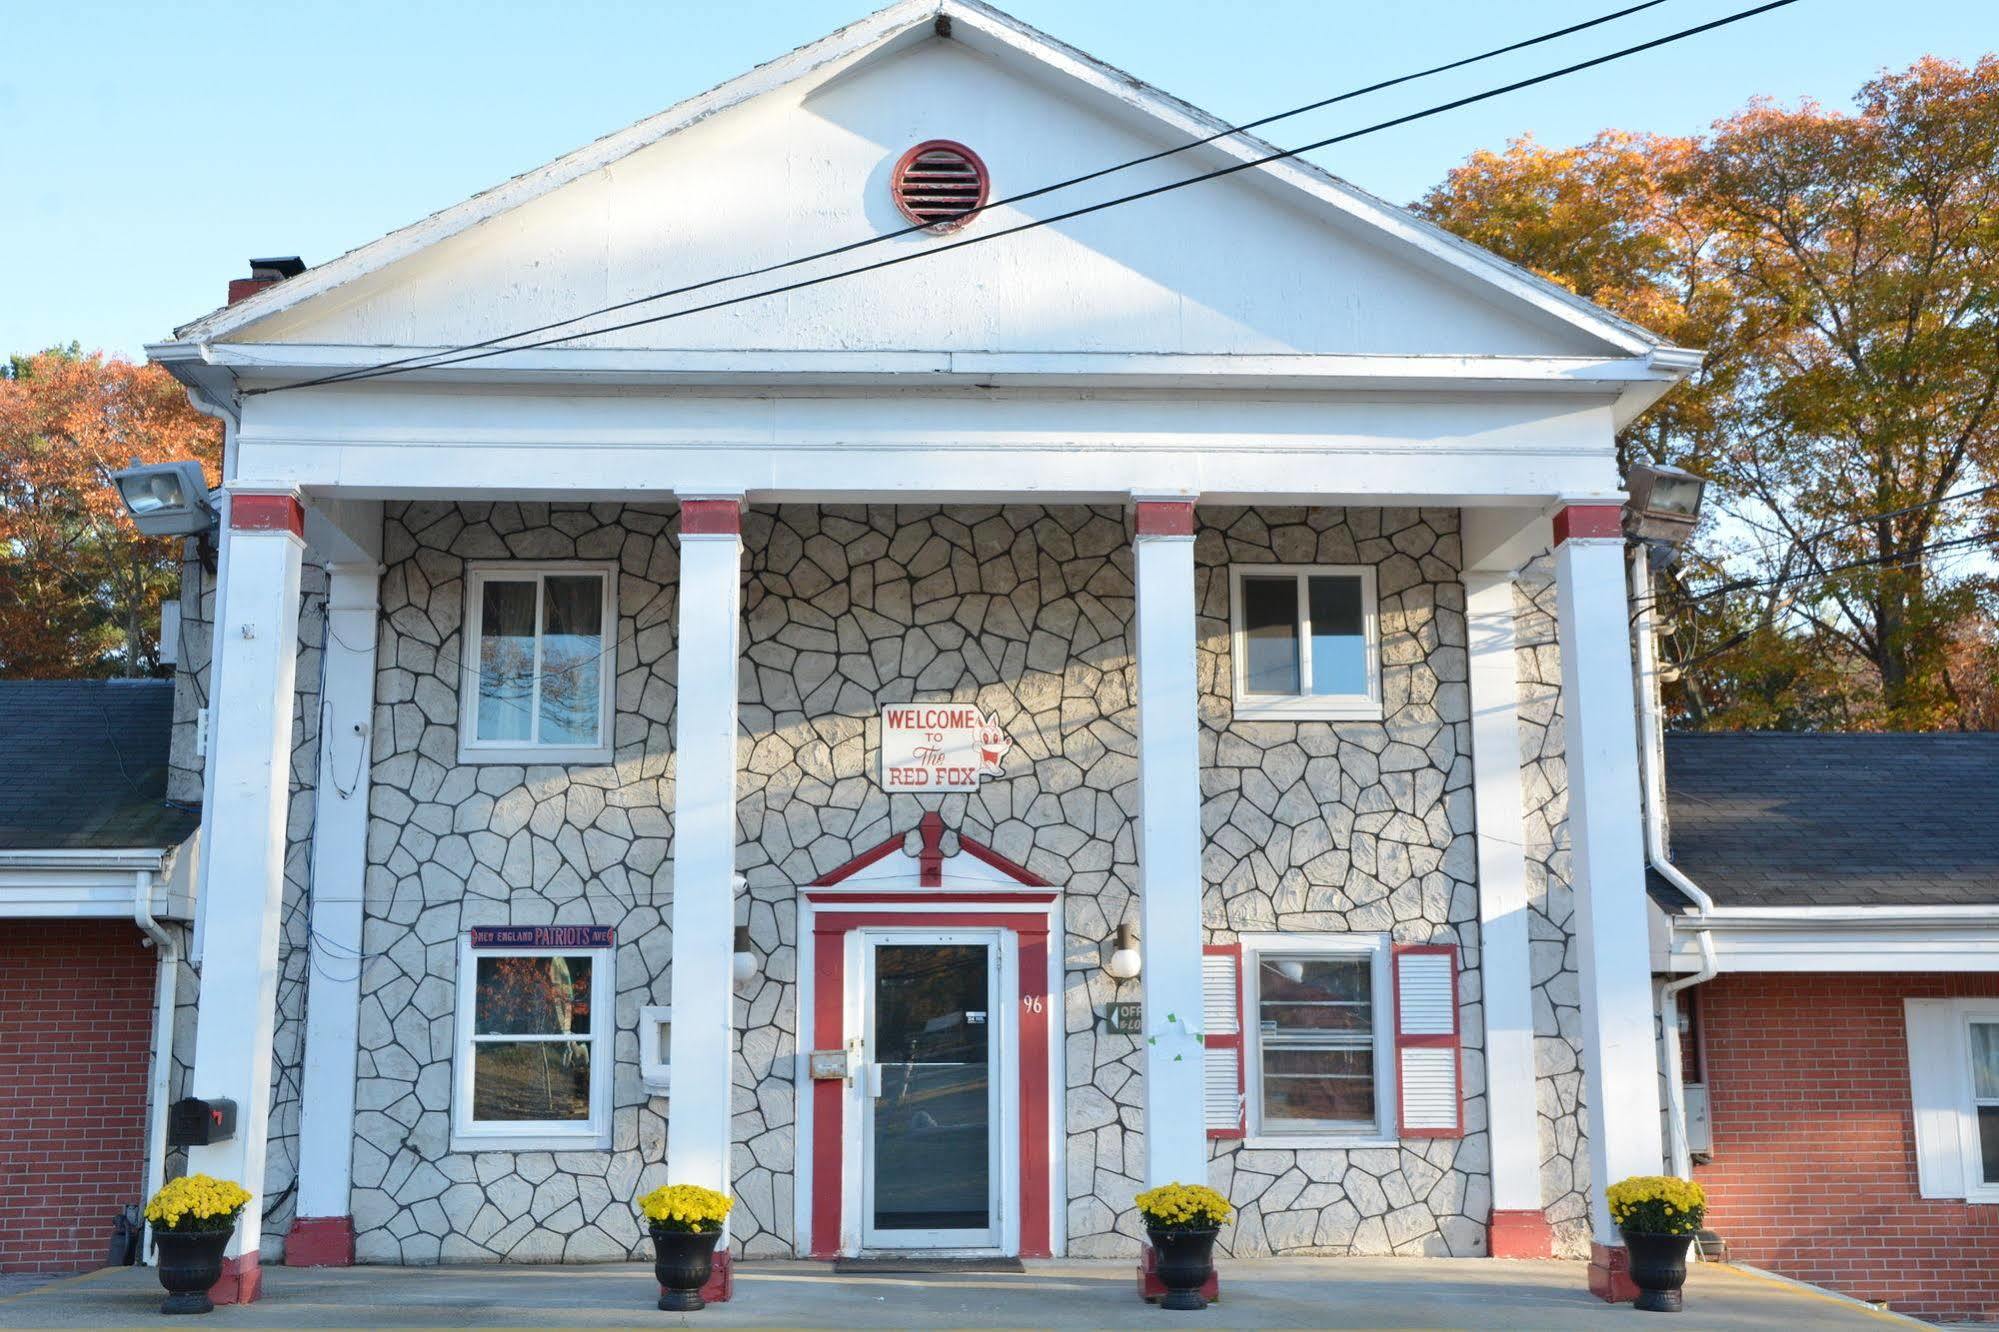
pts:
pixel 264 273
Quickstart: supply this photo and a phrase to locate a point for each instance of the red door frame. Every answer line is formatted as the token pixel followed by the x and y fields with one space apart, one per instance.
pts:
pixel 1030 928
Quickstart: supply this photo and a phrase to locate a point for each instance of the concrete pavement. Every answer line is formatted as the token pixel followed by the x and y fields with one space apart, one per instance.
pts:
pixel 1287 1292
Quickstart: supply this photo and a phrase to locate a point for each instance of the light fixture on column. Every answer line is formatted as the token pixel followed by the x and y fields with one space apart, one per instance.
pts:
pixel 1125 962
pixel 745 962
pixel 1664 506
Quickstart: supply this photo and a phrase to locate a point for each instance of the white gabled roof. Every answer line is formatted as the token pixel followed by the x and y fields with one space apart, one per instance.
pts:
pixel 1004 38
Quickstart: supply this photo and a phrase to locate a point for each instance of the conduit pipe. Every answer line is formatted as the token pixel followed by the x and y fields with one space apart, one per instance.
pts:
pixel 165 991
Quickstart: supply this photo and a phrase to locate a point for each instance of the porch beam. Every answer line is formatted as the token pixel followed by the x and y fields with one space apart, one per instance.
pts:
pixel 1169 841
pixel 243 841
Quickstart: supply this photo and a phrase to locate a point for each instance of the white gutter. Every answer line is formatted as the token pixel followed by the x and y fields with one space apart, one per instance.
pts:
pixel 165 989
pixel 1652 773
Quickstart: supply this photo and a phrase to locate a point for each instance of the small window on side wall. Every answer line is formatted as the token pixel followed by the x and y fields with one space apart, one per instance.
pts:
pixel 540 663
pixel 1306 642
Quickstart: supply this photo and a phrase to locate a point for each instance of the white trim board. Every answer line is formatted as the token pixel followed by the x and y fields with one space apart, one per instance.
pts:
pixel 1858 939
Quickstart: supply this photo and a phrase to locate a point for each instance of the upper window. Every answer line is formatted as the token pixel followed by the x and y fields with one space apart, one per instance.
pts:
pixel 540 662
pixel 533 1055
pixel 1306 642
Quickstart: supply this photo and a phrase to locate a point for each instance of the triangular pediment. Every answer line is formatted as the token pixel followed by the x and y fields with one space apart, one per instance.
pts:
pixel 795 157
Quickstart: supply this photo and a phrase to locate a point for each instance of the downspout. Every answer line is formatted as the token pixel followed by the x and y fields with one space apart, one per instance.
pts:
pixel 165 990
pixel 1652 774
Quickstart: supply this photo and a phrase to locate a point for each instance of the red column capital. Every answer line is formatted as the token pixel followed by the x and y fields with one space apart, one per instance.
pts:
pixel 1587 521
pixel 711 517
pixel 1165 517
pixel 267 513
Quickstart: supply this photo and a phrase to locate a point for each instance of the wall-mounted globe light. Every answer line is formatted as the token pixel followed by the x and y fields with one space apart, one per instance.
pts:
pixel 1125 962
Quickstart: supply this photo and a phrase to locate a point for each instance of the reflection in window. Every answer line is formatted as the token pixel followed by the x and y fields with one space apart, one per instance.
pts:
pixel 1985 1094
pixel 1315 1016
pixel 542 643
pixel 531 1046
pixel 1303 641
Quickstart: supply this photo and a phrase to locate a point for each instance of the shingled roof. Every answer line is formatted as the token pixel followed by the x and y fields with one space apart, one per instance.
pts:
pixel 85 766
pixel 1793 820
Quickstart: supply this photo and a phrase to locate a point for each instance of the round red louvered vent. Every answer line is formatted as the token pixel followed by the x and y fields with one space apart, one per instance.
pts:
pixel 939 184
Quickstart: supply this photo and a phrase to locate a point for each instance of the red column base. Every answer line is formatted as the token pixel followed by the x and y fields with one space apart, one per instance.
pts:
pixel 1521 1233
pixel 721 1286
pixel 1151 1289
pixel 242 1281
pixel 1610 1273
pixel 320 1241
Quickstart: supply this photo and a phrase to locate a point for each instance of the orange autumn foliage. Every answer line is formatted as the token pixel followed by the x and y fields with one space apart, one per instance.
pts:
pixel 80 589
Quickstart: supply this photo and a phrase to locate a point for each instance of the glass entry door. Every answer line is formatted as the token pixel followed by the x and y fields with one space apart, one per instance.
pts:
pixel 931 1125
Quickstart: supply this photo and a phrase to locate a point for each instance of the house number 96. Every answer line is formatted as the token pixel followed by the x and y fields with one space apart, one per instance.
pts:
pixel 1031 1002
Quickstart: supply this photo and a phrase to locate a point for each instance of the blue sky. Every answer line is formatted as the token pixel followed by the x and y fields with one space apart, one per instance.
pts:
pixel 148 149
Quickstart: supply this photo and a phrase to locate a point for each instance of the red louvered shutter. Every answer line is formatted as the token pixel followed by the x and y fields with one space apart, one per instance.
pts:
pixel 1429 1083
pixel 1223 1102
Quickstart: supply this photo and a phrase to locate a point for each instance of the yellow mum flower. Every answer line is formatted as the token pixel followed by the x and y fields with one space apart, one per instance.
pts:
pixel 686 1207
pixel 1657 1204
pixel 1183 1206
pixel 197 1202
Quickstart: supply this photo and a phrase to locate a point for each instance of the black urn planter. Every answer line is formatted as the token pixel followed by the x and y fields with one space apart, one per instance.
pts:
pixel 1658 1269
pixel 1185 1261
pixel 190 1262
pixel 683 1261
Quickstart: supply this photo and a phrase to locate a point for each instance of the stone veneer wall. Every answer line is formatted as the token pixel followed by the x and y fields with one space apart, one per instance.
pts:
pixel 1351 826
pixel 1311 826
pixel 1558 1029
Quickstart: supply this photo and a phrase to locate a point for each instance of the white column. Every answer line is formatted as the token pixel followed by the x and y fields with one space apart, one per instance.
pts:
pixel 1607 842
pixel 323 1234
pixel 704 843
pixel 1169 841
pixel 243 843
pixel 1519 1227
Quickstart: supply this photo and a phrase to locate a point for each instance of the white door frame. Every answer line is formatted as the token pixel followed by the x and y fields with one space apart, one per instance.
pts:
pixel 1002 1235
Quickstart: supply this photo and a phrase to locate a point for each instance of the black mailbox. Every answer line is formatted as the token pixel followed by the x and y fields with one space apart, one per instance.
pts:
pixel 192 1122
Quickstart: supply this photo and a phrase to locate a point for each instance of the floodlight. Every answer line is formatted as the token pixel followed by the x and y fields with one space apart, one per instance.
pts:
pixel 167 499
pixel 1665 503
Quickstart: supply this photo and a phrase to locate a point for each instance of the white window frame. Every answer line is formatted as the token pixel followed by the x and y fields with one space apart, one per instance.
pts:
pixel 1972 1012
pixel 1376 948
pixel 471 749
pixel 1305 707
pixel 518 1135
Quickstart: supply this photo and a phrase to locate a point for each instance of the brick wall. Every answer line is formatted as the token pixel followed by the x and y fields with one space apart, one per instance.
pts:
pixel 1814 1171
pixel 76 1005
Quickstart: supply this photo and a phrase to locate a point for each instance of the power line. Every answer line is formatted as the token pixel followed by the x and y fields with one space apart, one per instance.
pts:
pixel 1864 519
pixel 866 241
pixel 473 354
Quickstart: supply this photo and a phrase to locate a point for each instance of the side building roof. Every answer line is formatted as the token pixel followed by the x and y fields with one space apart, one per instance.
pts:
pixel 1768 819
pixel 85 765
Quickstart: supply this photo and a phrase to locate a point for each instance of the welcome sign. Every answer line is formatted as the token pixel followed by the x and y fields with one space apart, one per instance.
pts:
pixel 938 747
